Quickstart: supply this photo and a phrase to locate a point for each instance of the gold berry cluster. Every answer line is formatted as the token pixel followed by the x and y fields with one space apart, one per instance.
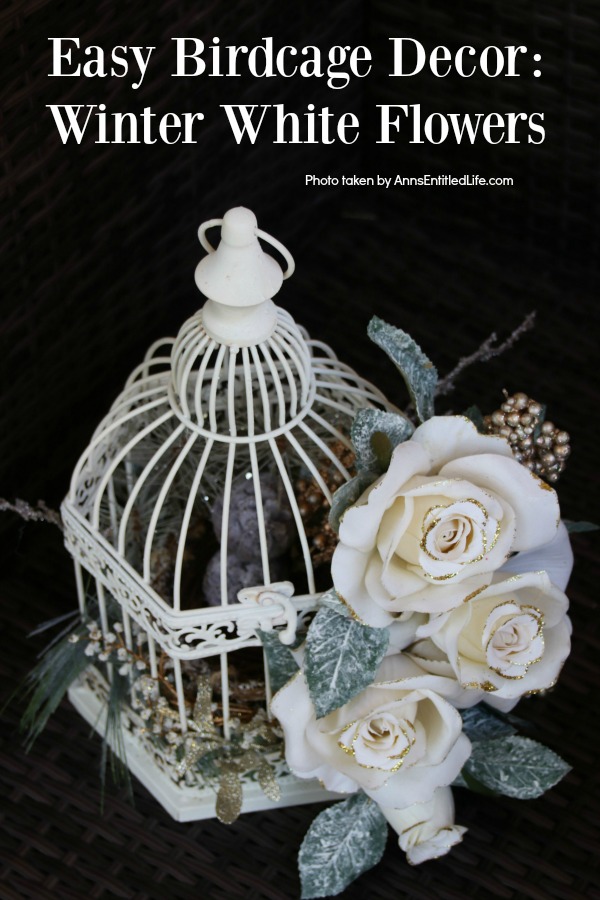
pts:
pixel 535 441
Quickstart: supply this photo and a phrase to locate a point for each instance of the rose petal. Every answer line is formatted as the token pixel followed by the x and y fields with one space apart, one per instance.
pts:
pixel 534 502
pixel 349 571
pixel 426 830
pixel 293 707
pixel 538 591
pixel 465 634
pixel 555 557
pixel 359 530
pixel 418 783
pixel 437 845
pixel 447 437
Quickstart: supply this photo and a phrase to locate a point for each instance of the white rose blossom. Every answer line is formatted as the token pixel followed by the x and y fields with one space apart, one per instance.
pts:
pixel 506 639
pixel 398 740
pixel 453 504
pixel 426 830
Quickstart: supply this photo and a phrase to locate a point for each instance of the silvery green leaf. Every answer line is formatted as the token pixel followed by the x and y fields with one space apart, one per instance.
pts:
pixel 459 781
pixel 347 494
pixel 515 766
pixel 374 435
pixel 418 371
pixel 344 841
pixel 538 426
pixel 480 724
pixel 342 657
pixel 476 416
pixel 332 600
pixel 575 527
pixel 281 662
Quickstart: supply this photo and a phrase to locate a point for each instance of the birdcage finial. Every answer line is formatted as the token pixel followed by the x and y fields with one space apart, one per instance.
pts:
pixel 239 279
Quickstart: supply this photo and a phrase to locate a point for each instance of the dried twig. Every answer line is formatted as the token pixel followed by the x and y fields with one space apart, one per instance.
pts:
pixel 38 513
pixel 487 351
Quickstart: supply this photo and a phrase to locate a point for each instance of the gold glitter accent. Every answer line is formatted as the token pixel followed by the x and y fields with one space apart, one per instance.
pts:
pixel 542 689
pixel 410 827
pixel 475 593
pixel 440 577
pixel 436 521
pixel 543 484
pixel 204 737
pixel 540 633
pixel 353 614
pixel 399 756
pixel 229 796
pixel 202 715
pixel 526 608
pixel 508 677
pixel 194 748
pixel 484 686
pixel 268 782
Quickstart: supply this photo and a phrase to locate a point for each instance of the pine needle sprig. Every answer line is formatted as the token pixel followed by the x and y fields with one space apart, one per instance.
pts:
pixel 114 757
pixel 47 683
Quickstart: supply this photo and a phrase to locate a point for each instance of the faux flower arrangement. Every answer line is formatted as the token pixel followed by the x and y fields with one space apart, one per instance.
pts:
pixel 447 606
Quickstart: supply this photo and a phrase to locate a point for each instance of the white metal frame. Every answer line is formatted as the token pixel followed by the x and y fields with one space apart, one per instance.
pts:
pixel 204 409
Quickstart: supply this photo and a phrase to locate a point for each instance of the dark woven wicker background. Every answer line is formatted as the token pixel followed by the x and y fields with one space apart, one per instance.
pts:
pixel 100 246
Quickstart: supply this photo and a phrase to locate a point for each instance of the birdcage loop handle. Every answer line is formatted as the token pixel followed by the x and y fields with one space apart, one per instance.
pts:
pixel 205 243
pixel 291 265
pixel 213 223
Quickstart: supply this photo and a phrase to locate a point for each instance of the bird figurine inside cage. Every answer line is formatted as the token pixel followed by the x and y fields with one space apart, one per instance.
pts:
pixel 198 522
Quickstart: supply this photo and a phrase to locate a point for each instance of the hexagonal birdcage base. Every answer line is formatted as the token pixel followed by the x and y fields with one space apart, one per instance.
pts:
pixel 184 802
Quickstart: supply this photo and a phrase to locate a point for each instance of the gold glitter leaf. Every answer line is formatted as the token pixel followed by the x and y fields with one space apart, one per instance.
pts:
pixel 229 797
pixel 202 717
pixel 268 781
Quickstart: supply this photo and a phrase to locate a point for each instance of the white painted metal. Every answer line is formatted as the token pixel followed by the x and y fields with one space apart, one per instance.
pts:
pixel 185 802
pixel 250 394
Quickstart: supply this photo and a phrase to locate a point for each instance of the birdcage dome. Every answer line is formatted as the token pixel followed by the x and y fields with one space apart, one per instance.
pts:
pixel 200 506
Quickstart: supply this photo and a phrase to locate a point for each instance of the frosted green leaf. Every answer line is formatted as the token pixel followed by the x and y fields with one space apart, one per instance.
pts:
pixel 374 435
pixel 480 724
pixel 332 600
pixel 342 657
pixel 576 527
pixel 347 495
pixel 459 781
pixel 515 766
pixel 344 841
pixel 476 416
pixel 418 371
pixel 537 430
pixel 280 661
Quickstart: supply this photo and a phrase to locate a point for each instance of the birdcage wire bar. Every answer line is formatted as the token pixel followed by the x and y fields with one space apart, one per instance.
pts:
pixel 196 419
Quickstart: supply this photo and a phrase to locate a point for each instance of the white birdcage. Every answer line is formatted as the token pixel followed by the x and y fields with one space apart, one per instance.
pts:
pixel 211 474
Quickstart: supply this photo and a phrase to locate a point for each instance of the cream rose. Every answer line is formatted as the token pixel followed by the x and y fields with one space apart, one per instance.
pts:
pixel 507 639
pixel 453 504
pixel 426 830
pixel 398 740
